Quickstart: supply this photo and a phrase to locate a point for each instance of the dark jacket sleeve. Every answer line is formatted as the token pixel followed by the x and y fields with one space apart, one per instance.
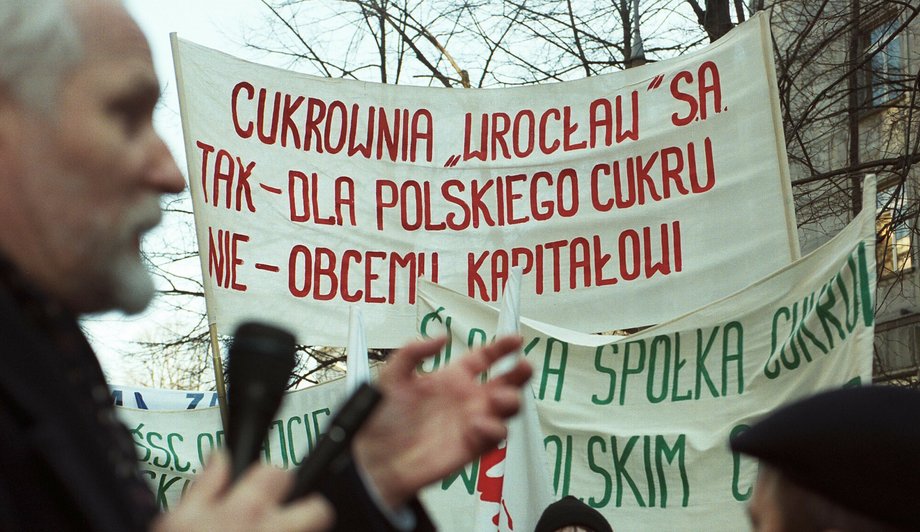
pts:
pixel 356 509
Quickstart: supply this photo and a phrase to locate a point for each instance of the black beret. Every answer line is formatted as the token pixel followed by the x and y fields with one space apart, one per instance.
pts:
pixel 571 511
pixel 858 447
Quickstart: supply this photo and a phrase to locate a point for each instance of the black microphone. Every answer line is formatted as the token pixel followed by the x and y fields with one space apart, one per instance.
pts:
pixel 261 361
pixel 336 441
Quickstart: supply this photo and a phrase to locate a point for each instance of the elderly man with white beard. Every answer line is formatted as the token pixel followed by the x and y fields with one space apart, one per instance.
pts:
pixel 82 172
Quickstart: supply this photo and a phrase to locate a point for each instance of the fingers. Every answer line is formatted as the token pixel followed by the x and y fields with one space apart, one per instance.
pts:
pixel 480 359
pixel 261 486
pixel 504 402
pixel 253 503
pixel 212 481
pixel 516 376
pixel 403 363
pixel 311 514
pixel 487 432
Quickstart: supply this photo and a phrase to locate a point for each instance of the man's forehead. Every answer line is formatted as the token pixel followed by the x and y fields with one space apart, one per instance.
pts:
pixel 108 29
pixel 112 42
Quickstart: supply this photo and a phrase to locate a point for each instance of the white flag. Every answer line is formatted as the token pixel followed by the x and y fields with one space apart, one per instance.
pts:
pixel 514 484
pixel 356 364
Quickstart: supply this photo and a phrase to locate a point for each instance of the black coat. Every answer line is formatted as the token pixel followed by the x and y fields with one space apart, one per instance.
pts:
pixel 54 474
pixel 57 470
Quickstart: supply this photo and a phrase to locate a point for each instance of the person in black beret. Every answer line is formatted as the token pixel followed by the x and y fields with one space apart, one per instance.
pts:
pixel 570 514
pixel 845 460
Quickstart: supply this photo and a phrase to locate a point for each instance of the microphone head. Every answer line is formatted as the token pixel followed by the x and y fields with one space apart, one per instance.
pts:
pixel 258 347
pixel 261 359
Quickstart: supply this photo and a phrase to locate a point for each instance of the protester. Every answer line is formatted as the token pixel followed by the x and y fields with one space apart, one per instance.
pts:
pixel 82 171
pixel 571 515
pixel 845 460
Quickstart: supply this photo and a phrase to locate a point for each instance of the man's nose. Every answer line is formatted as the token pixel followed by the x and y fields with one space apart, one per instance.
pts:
pixel 163 173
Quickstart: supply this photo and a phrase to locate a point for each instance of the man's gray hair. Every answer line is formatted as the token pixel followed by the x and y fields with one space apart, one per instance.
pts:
pixel 39 44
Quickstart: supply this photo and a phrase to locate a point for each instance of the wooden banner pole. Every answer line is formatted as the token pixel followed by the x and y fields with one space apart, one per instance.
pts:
pixel 219 376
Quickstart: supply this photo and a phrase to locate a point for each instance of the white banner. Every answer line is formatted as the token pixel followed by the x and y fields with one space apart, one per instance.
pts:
pixel 662 188
pixel 160 399
pixel 174 445
pixel 638 427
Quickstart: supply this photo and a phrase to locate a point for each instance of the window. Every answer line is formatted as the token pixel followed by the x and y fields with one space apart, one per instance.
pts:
pixel 893 250
pixel 881 45
pixel 896 354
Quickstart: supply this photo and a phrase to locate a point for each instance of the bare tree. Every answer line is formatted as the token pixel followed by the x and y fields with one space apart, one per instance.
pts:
pixel 715 16
pixel 480 43
pixel 849 109
pixel 174 360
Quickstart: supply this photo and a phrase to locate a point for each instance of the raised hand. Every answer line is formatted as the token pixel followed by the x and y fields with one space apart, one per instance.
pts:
pixel 428 425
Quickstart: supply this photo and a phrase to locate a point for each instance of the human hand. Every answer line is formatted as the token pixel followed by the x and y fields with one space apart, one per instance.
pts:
pixel 252 503
pixel 427 426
